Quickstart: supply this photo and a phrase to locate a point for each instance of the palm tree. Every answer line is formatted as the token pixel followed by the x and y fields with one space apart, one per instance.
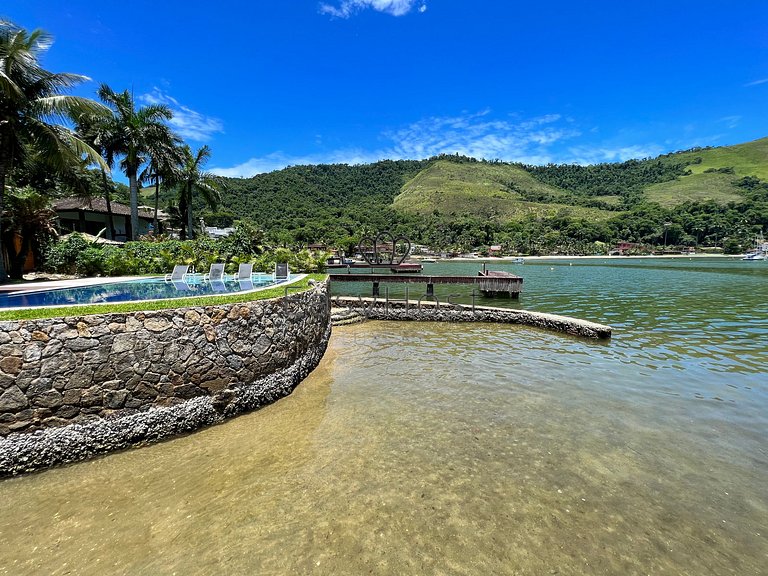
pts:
pixel 94 130
pixel 165 160
pixel 132 133
pixel 30 218
pixel 192 178
pixel 31 105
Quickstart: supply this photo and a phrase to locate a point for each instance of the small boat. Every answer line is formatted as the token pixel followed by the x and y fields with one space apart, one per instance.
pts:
pixel 430 260
pixel 518 260
pixel 760 252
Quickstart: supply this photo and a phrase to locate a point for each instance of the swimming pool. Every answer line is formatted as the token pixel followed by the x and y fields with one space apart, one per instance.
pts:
pixel 155 288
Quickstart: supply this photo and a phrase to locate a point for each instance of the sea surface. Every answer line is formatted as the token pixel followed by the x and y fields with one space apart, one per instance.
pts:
pixel 437 448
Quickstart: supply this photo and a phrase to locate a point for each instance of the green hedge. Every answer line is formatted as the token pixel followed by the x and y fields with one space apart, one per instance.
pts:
pixel 76 255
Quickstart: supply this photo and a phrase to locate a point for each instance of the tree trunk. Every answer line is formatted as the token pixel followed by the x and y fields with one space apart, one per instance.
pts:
pixel 3 273
pixel 157 201
pixel 189 213
pixel 134 187
pixel 17 259
pixel 108 199
pixel 182 216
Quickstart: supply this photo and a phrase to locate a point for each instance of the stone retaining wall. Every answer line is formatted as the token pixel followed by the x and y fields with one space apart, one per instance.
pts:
pixel 75 386
pixel 377 309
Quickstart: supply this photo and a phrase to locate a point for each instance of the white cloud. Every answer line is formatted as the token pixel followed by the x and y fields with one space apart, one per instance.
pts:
pixel 478 135
pixel 279 160
pixel 186 122
pixel 595 155
pixel 731 121
pixel 349 7
pixel 757 82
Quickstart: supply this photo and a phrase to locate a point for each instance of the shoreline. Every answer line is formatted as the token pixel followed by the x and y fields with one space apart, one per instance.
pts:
pixel 586 257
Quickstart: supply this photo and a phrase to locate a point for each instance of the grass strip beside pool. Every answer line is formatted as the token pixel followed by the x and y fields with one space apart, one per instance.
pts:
pixel 61 311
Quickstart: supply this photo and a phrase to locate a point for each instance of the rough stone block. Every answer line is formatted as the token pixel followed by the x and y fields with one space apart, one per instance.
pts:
pixel 72 396
pixel 157 324
pixel 48 399
pixel 188 391
pixel 93 396
pixel 145 392
pixel 12 400
pixel 52 348
pixel 81 344
pixel 67 412
pixel 123 343
pixel 11 365
pixel 55 421
pixel 135 403
pixel 215 385
pixel 80 378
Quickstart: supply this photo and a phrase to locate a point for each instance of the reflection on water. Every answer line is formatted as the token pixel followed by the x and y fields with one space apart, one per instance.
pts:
pixel 455 449
pixel 431 449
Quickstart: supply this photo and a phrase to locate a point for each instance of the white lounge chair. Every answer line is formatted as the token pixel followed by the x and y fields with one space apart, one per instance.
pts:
pixel 215 274
pixel 244 272
pixel 281 271
pixel 179 273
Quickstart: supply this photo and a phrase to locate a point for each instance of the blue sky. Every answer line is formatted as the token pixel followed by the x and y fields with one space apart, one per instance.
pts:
pixel 270 83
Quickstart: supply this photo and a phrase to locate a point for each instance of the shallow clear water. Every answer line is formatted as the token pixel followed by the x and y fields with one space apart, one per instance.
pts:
pixel 130 291
pixel 427 448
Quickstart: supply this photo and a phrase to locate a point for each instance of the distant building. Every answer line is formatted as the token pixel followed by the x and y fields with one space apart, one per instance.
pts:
pixel 623 247
pixel 214 232
pixel 89 215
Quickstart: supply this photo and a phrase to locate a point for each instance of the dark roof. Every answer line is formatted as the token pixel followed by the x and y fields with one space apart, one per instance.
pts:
pixel 98 205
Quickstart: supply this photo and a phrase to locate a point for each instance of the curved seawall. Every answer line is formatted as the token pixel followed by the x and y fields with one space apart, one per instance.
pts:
pixel 78 386
pixel 377 309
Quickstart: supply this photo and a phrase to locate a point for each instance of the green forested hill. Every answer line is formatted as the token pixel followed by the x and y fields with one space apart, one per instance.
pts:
pixel 713 196
pixel 494 191
pixel 319 201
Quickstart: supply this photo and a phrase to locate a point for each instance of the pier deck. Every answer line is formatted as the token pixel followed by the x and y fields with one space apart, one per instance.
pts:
pixel 508 284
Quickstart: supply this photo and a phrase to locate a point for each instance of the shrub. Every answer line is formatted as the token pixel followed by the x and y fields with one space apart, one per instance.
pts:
pixel 89 262
pixel 78 256
pixel 61 257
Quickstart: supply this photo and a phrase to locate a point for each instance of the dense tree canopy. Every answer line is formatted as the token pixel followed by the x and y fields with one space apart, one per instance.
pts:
pixel 33 109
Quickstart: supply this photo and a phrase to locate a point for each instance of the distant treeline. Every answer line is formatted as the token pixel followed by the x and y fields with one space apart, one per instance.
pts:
pixel 623 179
pixel 337 204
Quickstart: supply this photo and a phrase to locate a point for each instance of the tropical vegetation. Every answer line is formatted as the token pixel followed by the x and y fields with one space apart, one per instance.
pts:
pixel 33 112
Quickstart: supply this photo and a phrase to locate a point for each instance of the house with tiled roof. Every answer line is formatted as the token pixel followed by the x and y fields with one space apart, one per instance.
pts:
pixel 89 215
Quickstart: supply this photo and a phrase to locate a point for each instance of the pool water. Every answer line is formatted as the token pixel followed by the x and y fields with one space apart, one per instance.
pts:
pixel 155 288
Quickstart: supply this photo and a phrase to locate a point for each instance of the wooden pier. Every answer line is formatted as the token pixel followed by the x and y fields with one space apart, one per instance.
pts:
pixel 496 282
pixel 404 268
pixel 504 283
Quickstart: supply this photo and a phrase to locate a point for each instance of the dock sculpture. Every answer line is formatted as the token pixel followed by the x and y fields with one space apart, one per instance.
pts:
pixel 387 251
pixel 384 249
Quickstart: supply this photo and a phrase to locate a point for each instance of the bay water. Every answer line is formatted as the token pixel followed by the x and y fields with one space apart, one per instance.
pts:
pixel 438 448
